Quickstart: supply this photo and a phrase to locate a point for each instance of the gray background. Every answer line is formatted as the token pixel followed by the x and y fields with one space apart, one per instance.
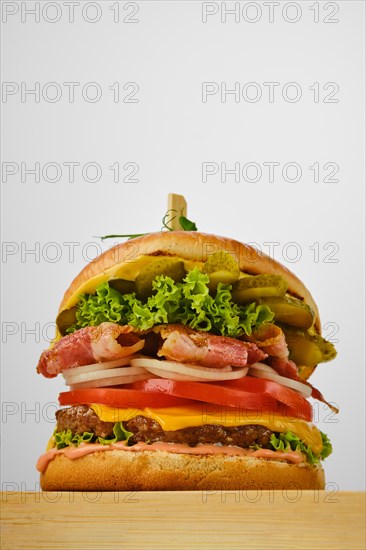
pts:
pixel 168 132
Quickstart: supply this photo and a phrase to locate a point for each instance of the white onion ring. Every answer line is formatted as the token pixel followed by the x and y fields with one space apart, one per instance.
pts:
pixel 259 370
pixel 185 371
pixel 116 381
pixel 170 375
pixel 73 371
pixel 265 368
pixel 102 374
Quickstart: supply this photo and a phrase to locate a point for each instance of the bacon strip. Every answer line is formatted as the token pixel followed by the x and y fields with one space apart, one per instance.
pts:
pixel 284 367
pixel 271 340
pixel 287 368
pixel 315 394
pixel 189 346
pixel 106 342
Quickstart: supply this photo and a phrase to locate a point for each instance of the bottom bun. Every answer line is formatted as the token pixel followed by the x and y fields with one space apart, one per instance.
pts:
pixel 164 471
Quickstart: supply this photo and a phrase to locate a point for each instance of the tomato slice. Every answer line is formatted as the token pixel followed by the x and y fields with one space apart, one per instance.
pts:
pixel 296 405
pixel 285 395
pixel 122 398
pixel 251 394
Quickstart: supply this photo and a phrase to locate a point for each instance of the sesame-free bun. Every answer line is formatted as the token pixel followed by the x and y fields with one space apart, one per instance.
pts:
pixel 165 471
pixel 194 246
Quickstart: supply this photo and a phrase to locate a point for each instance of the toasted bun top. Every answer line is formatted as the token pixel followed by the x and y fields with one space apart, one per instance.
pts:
pixel 193 246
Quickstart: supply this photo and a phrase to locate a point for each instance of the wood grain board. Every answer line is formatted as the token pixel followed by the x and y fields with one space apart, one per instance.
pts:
pixel 170 520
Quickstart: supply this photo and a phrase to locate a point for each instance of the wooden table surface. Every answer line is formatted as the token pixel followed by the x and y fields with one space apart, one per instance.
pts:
pixel 169 520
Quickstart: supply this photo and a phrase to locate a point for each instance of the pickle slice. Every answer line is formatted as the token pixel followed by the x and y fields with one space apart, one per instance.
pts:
pixel 290 311
pixel 308 349
pixel 65 319
pixel 221 267
pixel 249 289
pixel 123 286
pixel 165 266
pixel 306 372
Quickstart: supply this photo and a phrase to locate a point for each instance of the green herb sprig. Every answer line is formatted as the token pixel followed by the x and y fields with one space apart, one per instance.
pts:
pixel 169 216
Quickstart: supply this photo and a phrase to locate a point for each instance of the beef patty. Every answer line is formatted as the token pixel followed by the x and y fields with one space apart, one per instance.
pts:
pixel 81 418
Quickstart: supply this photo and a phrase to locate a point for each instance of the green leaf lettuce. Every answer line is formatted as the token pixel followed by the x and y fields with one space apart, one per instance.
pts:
pixel 188 303
pixel 289 442
pixel 284 442
pixel 67 438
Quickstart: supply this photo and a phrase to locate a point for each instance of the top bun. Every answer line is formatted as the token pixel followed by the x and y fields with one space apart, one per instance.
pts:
pixel 194 246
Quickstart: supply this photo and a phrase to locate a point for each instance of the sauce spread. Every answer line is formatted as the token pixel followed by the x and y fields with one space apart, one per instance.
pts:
pixel 87 448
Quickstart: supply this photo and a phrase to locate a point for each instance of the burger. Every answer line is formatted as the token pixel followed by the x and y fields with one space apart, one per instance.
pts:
pixel 187 358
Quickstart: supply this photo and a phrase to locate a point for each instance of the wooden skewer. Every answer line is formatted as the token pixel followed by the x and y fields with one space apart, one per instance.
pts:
pixel 177 206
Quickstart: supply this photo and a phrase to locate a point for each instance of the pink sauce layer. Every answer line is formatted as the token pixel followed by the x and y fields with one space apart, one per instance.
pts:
pixel 88 448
